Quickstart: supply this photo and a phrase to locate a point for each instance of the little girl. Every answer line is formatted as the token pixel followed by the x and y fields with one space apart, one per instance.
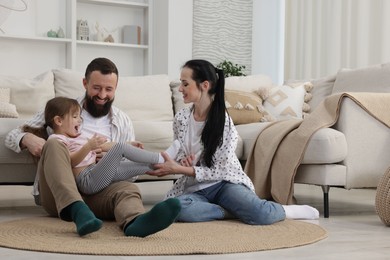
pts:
pixel 62 115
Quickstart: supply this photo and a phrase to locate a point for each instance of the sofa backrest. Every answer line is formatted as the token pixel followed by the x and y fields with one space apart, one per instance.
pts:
pixel 143 98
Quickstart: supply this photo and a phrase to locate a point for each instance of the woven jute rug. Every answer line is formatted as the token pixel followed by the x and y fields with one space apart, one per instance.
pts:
pixel 48 234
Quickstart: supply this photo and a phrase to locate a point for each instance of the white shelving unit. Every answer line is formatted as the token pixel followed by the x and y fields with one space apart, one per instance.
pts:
pixel 25 45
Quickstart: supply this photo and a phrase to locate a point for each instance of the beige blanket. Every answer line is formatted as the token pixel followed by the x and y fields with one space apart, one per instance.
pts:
pixel 279 149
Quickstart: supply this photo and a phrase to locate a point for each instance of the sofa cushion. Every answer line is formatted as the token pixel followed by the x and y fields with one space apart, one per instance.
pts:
pixel 249 83
pixel 327 145
pixel 145 98
pixel 155 135
pixel 249 133
pixel 29 95
pixel 322 88
pixel 375 78
pixel 68 83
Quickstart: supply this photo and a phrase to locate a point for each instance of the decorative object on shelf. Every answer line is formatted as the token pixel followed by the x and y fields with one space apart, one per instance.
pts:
pixel 131 34
pixel 109 38
pixel 52 34
pixel 230 69
pixel 99 33
pixel 82 30
pixel 60 33
pixel 103 35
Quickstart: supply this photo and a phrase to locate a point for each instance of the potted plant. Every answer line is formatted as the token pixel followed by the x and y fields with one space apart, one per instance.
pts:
pixel 231 69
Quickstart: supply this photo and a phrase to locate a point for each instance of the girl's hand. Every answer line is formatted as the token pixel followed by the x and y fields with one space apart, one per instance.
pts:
pixel 96 141
pixel 188 161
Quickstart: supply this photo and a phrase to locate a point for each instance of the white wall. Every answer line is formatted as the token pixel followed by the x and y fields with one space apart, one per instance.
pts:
pixel 268 39
pixel 172 40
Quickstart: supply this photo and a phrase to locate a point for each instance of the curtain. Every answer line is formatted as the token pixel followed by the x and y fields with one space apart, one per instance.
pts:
pixel 324 36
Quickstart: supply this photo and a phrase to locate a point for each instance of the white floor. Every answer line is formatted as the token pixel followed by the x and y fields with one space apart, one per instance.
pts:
pixel 354 229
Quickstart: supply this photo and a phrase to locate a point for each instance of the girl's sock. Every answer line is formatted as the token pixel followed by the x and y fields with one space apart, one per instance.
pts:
pixel 83 217
pixel 158 218
pixel 171 151
pixel 301 212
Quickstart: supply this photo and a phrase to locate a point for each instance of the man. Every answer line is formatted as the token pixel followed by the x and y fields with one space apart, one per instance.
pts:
pixel 57 188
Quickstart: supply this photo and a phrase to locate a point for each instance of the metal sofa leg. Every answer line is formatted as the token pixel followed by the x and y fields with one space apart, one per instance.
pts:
pixel 325 189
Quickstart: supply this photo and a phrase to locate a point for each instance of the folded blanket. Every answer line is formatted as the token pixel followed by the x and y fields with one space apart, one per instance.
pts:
pixel 279 149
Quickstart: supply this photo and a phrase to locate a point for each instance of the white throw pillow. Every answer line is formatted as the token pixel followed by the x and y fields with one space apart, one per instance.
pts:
pixel 29 95
pixel 68 83
pixel 284 102
pixel 5 94
pixel 8 110
pixel 145 98
pixel 177 96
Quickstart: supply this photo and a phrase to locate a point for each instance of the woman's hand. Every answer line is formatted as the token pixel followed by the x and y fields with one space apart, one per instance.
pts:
pixel 188 161
pixel 170 167
pixel 137 144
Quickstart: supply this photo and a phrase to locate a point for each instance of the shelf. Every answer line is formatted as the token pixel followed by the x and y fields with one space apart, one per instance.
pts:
pixel 36 38
pixel 109 44
pixel 121 3
pixel 31 42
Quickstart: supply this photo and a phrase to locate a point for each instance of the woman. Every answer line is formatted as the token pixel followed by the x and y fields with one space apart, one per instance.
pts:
pixel 213 182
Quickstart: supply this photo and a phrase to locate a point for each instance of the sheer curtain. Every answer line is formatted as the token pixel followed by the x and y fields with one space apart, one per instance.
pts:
pixel 323 36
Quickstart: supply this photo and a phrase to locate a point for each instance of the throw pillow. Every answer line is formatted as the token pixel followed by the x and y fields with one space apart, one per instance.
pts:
pixel 289 101
pixel 68 83
pixel 5 94
pixel 177 97
pixel 8 110
pixel 245 107
pixel 29 95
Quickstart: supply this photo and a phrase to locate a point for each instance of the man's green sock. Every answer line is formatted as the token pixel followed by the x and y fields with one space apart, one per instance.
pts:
pixel 83 217
pixel 161 216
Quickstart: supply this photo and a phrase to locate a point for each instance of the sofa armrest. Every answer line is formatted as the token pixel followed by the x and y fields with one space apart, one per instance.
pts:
pixel 368 142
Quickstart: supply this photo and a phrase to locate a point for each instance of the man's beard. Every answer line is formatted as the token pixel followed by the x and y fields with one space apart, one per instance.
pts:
pixel 97 110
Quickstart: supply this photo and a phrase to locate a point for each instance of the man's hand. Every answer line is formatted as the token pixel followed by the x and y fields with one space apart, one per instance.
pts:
pixel 33 143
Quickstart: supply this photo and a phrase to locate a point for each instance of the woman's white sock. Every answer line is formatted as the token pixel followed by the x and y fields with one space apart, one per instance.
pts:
pixel 171 151
pixel 301 212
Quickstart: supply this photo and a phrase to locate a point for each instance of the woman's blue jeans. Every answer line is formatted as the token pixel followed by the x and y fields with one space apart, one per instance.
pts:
pixel 209 204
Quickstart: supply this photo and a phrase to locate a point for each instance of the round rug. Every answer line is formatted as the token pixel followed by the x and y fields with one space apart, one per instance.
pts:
pixel 48 234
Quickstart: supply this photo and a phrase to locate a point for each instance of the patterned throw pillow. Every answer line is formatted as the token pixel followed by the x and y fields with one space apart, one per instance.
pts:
pixel 7 109
pixel 245 107
pixel 289 101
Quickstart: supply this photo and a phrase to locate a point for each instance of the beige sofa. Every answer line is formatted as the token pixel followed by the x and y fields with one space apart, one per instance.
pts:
pixel 347 155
